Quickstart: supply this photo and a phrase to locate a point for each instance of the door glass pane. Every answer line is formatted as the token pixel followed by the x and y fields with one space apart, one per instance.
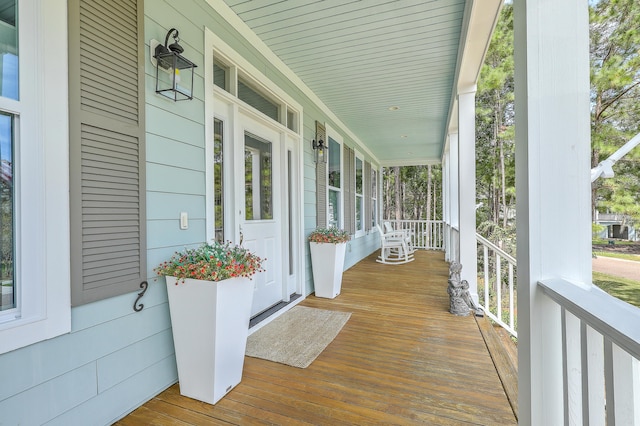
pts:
pixel 334 163
pixel 258 185
pixel 334 208
pixel 218 183
pixel 8 49
pixel 7 283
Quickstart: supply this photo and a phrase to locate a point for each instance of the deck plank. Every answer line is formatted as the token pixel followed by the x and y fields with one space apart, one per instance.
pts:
pixel 400 359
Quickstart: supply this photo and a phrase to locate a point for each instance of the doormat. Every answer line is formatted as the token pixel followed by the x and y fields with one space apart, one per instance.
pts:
pixel 297 337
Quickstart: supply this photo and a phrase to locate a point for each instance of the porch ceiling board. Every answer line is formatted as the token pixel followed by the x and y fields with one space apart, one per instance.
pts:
pixel 361 58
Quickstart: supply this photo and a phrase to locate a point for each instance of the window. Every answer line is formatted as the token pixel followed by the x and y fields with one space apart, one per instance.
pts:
pixel 335 184
pixel 7 241
pixel 359 195
pixel 291 120
pixel 221 75
pixel 235 76
pixel 257 100
pixel 9 79
pixel 34 198
pixel 374 198
pixel 218 180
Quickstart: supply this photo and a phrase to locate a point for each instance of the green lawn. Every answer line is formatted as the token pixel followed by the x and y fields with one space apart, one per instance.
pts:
pixel 622 288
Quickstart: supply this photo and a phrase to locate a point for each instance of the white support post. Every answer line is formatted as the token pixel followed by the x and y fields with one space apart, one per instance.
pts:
pixel 446 215
pixel 454 188
pixel 552 181
pixel 467 188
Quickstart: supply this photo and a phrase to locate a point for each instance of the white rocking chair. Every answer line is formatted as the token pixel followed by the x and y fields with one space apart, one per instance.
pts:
pixel 408 235
pixel 394 248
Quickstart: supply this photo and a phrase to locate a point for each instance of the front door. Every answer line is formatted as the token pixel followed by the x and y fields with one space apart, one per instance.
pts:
pixel 260 199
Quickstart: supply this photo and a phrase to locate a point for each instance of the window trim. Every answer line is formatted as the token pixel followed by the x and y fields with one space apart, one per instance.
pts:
pixel 42 178
pixel 331 133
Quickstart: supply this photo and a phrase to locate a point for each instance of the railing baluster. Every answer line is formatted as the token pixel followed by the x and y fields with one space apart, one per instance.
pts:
pixel 511 302
pixel 498 286
pixel 593 386
pixel 487 278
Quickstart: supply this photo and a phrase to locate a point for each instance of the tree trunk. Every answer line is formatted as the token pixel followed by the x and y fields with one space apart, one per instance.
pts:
pixel 503 184
pixel 595 154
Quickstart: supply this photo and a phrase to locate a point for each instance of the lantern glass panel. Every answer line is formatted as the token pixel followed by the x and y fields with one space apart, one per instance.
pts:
pixel 174 76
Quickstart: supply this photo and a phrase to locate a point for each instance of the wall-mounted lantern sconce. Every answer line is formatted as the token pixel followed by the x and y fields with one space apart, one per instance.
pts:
pixel 319 151
pixel 174 72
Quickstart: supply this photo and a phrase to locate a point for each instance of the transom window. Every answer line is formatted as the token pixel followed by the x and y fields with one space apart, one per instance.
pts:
pixel 233 80
pixel 221 75
pixel 257 100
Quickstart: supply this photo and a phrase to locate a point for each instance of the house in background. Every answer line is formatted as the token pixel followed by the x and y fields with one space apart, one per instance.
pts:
pixel 616 226
pixel 109 178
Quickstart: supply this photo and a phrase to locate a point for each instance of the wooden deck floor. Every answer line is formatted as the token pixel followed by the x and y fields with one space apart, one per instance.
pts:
pixel 400 359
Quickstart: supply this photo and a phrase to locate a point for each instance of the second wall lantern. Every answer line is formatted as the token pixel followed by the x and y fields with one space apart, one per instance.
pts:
pixel 174 72
pixel 319 151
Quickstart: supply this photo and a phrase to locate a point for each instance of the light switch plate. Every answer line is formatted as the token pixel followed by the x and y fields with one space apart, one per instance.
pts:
pixel 184 220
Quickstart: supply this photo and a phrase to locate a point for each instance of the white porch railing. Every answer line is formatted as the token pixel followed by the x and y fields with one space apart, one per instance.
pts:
pixel 600 354
pixel 427 234
pixel 496 285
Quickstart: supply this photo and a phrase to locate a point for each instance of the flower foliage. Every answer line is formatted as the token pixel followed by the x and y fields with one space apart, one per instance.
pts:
pixel 211 262
pixel 329 235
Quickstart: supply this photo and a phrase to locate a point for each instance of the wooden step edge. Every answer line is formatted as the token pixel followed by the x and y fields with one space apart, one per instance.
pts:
pixel 506 369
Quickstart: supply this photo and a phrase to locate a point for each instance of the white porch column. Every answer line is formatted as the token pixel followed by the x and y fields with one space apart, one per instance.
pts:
pixel 454 191
pixel 446 214
pixel 467 188
pixel 553 190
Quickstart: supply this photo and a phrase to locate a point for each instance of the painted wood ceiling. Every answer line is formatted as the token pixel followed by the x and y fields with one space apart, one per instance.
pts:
pixel 386 68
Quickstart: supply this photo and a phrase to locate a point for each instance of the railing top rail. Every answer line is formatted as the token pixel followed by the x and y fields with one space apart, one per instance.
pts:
pixel 495 248
pixel 414 220
pixel 613 318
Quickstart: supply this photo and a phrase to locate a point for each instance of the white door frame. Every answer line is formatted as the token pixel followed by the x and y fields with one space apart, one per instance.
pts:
pixel 225 106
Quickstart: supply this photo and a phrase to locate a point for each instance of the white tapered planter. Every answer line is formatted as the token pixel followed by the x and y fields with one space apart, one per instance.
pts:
pixel 327 262
pixel 210 322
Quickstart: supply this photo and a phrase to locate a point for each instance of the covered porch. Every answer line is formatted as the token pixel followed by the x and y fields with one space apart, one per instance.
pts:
pixel 402 358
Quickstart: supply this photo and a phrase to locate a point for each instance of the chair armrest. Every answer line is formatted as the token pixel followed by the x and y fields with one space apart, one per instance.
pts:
pixel 395 234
